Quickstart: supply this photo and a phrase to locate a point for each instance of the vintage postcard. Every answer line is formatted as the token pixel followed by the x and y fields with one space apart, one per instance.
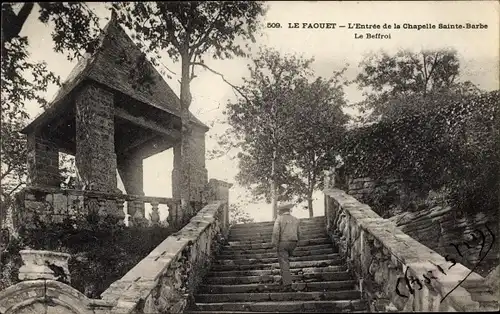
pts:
pixel 250 157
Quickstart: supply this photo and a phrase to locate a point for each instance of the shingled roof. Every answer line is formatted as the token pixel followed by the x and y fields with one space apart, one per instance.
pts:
pixel 111 64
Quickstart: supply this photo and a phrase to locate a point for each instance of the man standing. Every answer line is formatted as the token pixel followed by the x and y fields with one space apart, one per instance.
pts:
pixel 285 238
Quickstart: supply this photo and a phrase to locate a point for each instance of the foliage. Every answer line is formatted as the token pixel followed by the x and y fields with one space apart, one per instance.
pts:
pixel 188 32
pixel 428 128
pixel 454 145
pixel 260 122
pixel 101 252
pixel 388 81
pixel 22 80
pixel 317 133
pixel 238 216
pixel 287 125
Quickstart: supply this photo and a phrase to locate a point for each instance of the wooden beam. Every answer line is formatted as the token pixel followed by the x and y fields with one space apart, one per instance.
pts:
pixel 126 147
pixel 153 147
pixel 148 124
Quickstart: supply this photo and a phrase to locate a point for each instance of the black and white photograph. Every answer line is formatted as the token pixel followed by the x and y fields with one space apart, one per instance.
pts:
pixel 211 157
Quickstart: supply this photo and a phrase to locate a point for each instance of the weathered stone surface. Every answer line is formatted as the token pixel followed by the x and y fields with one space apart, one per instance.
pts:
pixel 287 306
pixel 95 147
pixel 246 278
pixel 166 276
pixel 40 265
pixel 43 161
pixel 438 228
pixel 47 296
pixel 261 287
pixel 381 253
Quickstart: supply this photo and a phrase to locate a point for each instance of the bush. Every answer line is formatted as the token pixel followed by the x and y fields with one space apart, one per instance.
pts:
pixel 454 146
pixel 101 252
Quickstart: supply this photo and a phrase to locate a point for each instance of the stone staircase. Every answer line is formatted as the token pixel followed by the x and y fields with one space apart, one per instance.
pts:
pixel 244 277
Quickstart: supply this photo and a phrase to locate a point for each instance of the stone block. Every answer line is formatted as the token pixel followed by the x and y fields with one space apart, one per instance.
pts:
pixel 60 204
pixel 75 204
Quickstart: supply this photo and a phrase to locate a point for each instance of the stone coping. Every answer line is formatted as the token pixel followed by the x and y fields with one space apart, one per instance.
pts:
pixel 138 283
pixel 411 253
pixel 44 253
pixel 107 196
pixel 220 183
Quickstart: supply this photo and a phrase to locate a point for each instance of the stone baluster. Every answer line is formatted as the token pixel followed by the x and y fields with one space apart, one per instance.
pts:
pixel 139 219
pixel 120 214
pixel 155 213
pixel 131 210
pixel 171 213
pixel 102 207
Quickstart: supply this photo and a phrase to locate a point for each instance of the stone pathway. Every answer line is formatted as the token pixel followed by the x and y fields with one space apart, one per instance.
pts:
pixel 245 276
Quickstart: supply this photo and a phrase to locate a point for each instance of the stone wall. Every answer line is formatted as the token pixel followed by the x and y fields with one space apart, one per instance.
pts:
pixel 95 149
pixel 440 227
pixel 165 281
pixel 395 271
pixel 387 196
pixel 54 205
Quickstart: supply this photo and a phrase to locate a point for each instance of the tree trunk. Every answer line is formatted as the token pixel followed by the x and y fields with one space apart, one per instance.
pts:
pixel 310 205
pixel 185 100
pixel 274 200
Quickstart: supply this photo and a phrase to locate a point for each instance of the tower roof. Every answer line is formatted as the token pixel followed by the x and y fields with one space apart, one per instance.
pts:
pixel 114 63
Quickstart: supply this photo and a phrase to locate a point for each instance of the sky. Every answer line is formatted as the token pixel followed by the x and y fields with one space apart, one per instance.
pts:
pixel 332 49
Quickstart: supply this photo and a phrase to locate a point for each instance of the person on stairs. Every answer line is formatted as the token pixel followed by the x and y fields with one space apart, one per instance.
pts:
pixel 285 238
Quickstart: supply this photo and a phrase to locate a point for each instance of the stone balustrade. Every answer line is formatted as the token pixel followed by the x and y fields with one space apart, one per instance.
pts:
pixel 54 205
pixel 396 272
pixel 165 280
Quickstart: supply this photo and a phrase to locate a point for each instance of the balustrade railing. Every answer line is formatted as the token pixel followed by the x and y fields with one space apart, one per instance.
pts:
pixel 54 204
pixel 396 272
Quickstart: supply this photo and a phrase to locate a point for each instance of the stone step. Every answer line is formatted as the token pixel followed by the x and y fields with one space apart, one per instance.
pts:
pixel 308 235
pixel 262 272
pixel 298 264
pixel 302 278
pixel 268 237
pixel 261 287
pixel 278 296
pixel 269 230
pixel 272 249
pixel 254 225
pixel 332 306
pixel 251 261
pixel 264 244
pixel 273 253
pixel 251 312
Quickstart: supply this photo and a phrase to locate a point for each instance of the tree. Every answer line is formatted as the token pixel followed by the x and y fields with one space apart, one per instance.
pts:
pixel 261 121
pixel 392 82
pixel 316 137
pixel 433 129
pixel 188 31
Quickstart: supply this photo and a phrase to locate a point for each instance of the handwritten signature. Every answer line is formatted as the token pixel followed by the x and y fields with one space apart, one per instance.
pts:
pixel 410 281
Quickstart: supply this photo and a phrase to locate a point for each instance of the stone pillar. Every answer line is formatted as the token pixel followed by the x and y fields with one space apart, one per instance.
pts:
pixel 43 162
pixel 219 191
pixel 176 214
pixel 44 265
pixel 192 147
pixel 131 171
pixel 95 141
